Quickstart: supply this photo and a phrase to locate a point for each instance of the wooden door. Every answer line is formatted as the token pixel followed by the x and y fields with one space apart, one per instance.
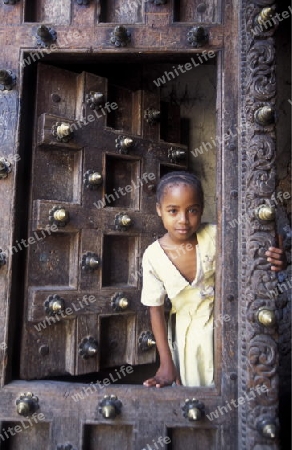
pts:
pixel 73 329
pixel 84 273
pixel 84 261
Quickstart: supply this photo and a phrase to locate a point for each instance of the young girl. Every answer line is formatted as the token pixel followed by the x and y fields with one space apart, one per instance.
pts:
pixel 181 265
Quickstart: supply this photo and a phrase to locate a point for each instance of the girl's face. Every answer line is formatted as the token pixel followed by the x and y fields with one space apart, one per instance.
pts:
pixel 180 210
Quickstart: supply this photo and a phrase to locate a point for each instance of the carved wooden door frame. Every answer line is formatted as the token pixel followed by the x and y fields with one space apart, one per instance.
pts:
pixel 257 344
pixel 253 60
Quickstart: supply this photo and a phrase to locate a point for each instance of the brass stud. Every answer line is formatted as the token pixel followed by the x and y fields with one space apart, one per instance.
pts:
pixel 152 116
pixel 95 178
pixel 265 15
pixel 146 341
pixel 92 179
pixel 91 350
pixel 128 142
pixel 62 131
pixel 194 414
pixel 5 168
pixel 110 406
pixel 108 411
pixel 45 36
pixel 198 37
pixel 269 431
pixel 176 155
pixel 123 221
pixel 59 216
pixel 27 404
pixel 23 408
pixel 7 79
pixel 54 304
pixel 266 317
pixel 56 307
pixel 93 262
pixel 123 144
pixel 123 303
pixel 265 213
pixel 120 36
pixel 44 33
pixel 88 347
pixel 95 100
pixel 90 261
pixel 119 302
pixel 264 116
pixel 268 428
pixel 193 410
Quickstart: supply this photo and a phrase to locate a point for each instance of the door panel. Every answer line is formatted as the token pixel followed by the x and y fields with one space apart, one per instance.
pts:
pixel 58 344
pixel 193 438
pixel 196 11
pixel 117 11
pixel 29 437
pixel 57 270
pixel 90 334
pixel 102 436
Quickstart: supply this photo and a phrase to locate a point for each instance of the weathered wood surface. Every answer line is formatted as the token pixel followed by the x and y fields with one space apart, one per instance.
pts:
pixel 59 403
pixel 147 415
pixel 258 346
pixel 54 264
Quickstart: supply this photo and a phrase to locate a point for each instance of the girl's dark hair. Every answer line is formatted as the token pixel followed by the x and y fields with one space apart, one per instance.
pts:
pixel 176 178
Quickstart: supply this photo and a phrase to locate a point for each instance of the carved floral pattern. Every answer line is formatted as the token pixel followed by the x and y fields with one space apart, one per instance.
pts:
pixel 262 79
pixel 259 348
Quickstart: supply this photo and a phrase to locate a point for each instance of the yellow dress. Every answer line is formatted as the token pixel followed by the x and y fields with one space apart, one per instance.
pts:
pixel 191 342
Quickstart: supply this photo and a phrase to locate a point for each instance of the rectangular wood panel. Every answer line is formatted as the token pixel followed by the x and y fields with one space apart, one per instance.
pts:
pixel 197 11
pixel 120 118
pixel 32 434
pixel 105 437
pixel 52 345
pixel 57 13
pixel 118 337
pixel 51 260
pixel 119 260
pixel 64 175
pixel 193 438
pixel 120 172
pixel 119 11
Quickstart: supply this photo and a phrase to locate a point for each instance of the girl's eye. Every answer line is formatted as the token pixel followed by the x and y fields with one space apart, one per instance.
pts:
pixel 172 211
pixel 193 210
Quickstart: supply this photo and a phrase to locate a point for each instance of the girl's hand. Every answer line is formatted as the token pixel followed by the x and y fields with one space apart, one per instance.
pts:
pixel 276 256
pixel 165 376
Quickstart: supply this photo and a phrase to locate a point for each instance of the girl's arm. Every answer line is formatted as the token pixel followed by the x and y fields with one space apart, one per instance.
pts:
pixel 167 373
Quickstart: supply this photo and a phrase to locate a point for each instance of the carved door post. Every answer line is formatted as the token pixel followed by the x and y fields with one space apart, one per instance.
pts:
pixel 258 355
